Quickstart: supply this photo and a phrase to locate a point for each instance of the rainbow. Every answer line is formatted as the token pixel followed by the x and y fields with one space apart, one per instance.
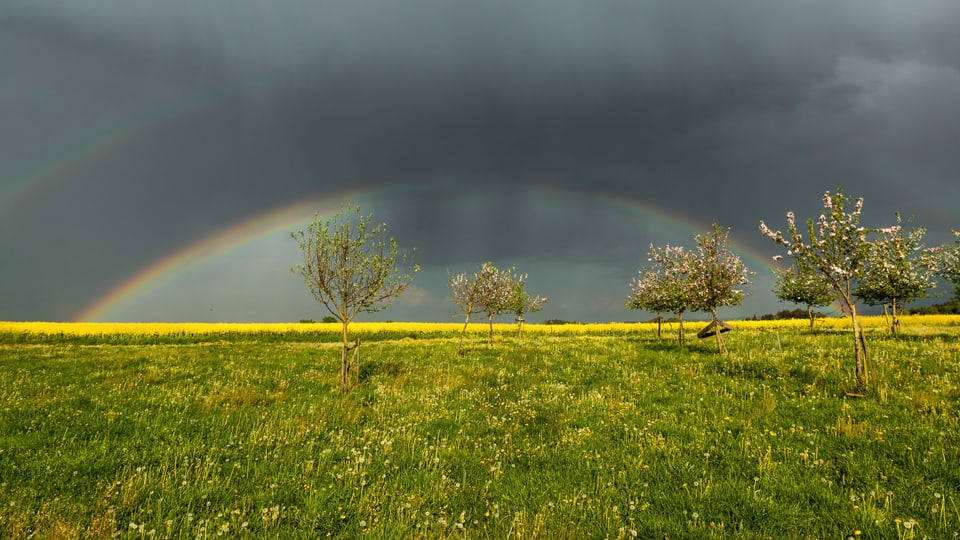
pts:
pixel 283 219
pixel 665 220
pixel 218 244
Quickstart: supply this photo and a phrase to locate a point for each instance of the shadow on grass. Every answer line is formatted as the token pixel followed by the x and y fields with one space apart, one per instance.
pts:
pixel 667 345
pixel 748 369
pixel 886 336
pixel 386 368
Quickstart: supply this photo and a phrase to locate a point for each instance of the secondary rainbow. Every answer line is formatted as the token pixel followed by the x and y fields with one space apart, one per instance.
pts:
pixel 106 140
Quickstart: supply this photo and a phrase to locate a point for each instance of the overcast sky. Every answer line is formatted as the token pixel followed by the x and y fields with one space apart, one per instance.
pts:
pixel 562 137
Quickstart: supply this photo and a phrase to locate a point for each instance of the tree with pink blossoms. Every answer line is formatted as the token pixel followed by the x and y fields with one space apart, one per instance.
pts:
pixel 895 272
pixel 666 285
pixel 837 246
pixel 488 293
pixel 717 274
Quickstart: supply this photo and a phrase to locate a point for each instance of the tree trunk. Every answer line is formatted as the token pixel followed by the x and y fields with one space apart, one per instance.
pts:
pixel 895 324
pixel 721 348
pixel 659 325
pixel 491 329
pixel 462 332
pixel 810 315
pixel 344 363
pixel 858 352
pixel 519 326
pixel 680 316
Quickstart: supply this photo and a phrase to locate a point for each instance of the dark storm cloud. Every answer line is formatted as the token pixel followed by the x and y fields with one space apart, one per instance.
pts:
pixel 216 111
pixel 648 95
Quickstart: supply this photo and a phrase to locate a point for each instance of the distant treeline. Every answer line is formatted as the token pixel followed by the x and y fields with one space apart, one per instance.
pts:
pixel 786 314
pixel 946 308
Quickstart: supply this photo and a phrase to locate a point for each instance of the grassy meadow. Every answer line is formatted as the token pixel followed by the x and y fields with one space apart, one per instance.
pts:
pixel 573 431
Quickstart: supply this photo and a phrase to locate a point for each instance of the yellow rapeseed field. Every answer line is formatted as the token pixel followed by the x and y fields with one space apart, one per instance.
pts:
pixel 167 328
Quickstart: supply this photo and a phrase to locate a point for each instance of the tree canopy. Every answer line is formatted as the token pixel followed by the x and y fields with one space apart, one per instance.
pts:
pixel 803 284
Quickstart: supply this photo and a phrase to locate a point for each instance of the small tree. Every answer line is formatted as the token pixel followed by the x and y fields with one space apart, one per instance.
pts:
pixel 496 293
pixel 803 284
pixel 945 262
pixel 351 267
pixel 488 293
pixel 465 298
pixel 520 303
pixel 667 285
pixel 647 293
pixel 838 248
pixel 716 273
pixel 894 271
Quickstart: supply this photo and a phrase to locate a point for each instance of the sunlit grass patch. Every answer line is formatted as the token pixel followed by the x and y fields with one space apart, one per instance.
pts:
pixel 610 433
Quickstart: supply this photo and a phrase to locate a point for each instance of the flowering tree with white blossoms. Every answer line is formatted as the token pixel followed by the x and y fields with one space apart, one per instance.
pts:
pixel 488 292
pixel 520 302
pixel 716 273
pixel 895 271
pixel 648 294
pixel 666 286
pixel 945 262
pixel 802 284
pixel 838 248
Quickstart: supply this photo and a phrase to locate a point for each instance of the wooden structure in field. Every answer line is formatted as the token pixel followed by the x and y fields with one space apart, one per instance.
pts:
pixel 711 329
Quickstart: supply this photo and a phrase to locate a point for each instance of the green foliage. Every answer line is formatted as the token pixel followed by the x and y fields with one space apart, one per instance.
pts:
pixel 520 303
pixel 785 314
pixel 802 284
pixel 349 265
pixel 586 436
pixel 944 308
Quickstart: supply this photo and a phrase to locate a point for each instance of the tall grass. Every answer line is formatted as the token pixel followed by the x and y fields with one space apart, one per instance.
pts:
pixel 606 434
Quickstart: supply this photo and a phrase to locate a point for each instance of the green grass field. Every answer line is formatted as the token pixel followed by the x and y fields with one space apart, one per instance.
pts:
pixel 602 435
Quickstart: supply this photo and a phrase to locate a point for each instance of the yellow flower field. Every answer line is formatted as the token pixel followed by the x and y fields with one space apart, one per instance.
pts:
pixel 164 328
